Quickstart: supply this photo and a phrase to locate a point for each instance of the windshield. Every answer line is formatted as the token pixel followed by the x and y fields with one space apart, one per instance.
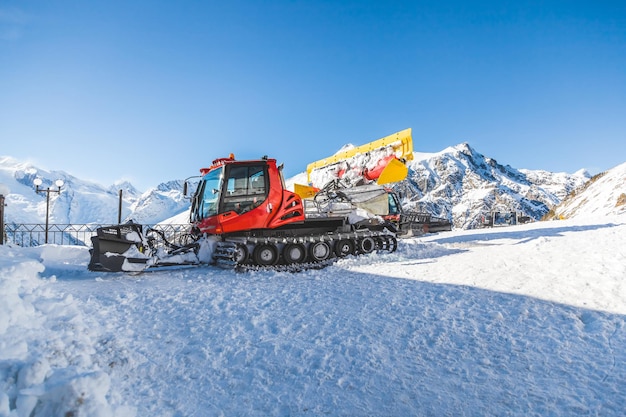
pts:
pixel 206 200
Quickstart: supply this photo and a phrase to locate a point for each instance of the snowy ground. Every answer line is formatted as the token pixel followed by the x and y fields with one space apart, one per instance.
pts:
pixel 526 320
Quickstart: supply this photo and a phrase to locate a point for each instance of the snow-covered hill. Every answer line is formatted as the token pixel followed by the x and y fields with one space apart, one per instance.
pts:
pixel 521 321
pixel 604 194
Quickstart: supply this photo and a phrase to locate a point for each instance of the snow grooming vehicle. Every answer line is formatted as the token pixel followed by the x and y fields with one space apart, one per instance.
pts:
pixel 263 224
pixel 245 218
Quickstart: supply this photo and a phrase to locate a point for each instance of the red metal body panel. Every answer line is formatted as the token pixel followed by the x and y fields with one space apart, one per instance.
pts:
pixel 279 208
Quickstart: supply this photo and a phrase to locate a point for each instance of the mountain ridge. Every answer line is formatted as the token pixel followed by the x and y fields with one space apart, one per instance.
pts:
pixel 457 183
pixel 465 186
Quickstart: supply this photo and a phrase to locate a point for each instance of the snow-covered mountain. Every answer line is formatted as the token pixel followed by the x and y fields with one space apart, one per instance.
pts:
pixel 457 183
pixel 604 194
pixel 464 186
pixel 81 201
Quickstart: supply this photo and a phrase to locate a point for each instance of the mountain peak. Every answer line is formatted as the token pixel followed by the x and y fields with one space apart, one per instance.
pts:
pixel 126 187
pixel 464 147
pixel 583 173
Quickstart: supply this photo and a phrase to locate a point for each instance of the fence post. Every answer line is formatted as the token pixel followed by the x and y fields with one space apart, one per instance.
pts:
pixel 1 219
pixel 4 191
pixel 119 210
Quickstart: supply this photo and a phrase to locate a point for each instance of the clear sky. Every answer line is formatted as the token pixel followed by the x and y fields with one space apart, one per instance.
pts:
pixel 154 90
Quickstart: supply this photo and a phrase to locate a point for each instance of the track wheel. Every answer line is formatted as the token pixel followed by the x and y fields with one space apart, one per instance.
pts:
pixel 319 251
pixel 265 254
pixel 393 244
pixel 294 253
pixel 366 245
pixel 241 254
pixel 344 247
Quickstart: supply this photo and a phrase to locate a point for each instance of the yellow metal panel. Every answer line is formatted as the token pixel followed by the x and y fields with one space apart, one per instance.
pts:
pixel 395 171
pixel 401 142
pixel 304 191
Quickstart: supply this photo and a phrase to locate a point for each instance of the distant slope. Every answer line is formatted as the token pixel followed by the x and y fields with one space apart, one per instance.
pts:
pixel 82 201
pixel 604 194
pixel 159 203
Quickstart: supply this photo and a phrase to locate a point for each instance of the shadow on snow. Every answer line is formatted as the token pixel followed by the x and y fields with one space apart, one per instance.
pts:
pixel 516 233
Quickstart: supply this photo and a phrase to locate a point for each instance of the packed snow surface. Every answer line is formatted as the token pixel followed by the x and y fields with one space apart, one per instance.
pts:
pixel 525 320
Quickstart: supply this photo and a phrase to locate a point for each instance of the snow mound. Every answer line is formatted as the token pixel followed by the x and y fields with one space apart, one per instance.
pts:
pixel 59 374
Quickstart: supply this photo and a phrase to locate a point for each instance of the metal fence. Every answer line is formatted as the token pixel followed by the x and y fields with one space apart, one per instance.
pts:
pixel 28 235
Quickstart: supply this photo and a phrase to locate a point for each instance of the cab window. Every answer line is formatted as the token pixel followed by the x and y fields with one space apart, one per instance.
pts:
pixel 246 188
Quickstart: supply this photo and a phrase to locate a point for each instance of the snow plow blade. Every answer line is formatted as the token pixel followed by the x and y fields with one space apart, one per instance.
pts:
pixel 130 248
pixel 118 248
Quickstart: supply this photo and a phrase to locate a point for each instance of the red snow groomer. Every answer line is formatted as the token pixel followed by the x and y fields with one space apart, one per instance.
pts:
pixel 248 218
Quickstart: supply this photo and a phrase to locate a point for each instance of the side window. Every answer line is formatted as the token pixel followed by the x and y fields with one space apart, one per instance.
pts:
pixel 246 188
pixel 238 181
pixel 257 181
pixel 393 204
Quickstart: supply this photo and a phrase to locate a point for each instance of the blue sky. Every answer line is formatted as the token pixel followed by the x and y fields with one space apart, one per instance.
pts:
pixel 154 90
